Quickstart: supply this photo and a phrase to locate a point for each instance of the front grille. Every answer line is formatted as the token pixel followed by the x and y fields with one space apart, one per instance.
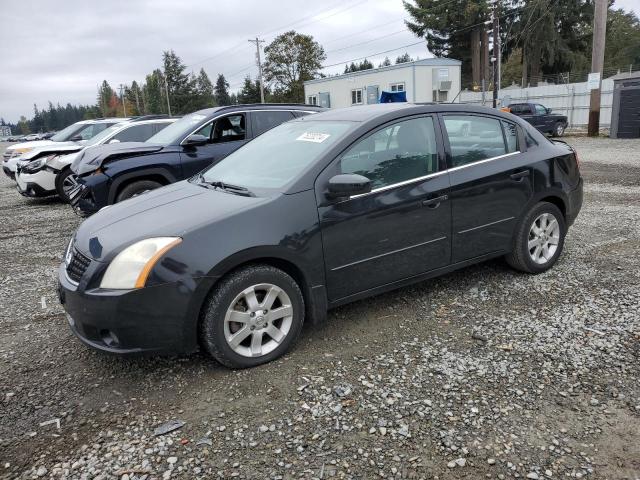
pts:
pixel 77 265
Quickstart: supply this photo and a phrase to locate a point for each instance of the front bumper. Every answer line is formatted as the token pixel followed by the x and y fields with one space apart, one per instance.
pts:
pixel 575 202
pixel 39 184
pixel 7 171
pixel 90 195
pixel 150 320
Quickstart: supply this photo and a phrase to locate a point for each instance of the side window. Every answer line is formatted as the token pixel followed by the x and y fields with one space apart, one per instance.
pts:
pixel 91 131
pixel 135 133
pixel 206 130
pixel 540 110
pixel 515 109
pixel 525 108
pixel 529 140
pixel 263 121
pixel 511 136
pixel 473 138
pixel 402 151
pixel 229 129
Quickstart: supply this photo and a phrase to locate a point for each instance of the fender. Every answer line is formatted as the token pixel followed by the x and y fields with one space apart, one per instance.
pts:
pixel 138 174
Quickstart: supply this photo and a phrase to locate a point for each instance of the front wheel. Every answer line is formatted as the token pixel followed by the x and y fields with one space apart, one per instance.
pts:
pixel 66 181
pixel 539 239
pixel 254 316
pixel 136 188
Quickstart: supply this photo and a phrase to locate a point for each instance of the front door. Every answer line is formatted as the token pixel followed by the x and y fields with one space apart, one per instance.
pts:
pixel 225 134
pixel 491 183
pixel 402 227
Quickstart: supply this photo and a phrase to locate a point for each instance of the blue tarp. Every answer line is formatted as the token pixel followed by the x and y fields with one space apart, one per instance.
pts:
pixel 392 97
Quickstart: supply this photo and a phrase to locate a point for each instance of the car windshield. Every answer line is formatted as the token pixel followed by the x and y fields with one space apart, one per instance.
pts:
pixel 66 133
pixel 277 156
pixel 174 132
pixel 103 135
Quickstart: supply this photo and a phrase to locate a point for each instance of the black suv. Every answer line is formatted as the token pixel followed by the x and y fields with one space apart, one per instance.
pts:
pixel 316 213
pixel 540 117
pixel 111 173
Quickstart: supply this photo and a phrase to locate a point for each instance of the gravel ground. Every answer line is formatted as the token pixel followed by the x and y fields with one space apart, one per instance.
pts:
pixel 481 373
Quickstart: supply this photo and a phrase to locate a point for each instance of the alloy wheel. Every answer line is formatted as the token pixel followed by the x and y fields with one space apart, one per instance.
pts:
pixel 258 320
pixel 68 184
pixel 544 238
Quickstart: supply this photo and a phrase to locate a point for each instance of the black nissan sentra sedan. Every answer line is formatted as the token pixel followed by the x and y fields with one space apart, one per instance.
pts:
pixel 315 213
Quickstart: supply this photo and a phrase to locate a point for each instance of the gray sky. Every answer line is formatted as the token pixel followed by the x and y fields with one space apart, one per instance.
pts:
pixel 61 51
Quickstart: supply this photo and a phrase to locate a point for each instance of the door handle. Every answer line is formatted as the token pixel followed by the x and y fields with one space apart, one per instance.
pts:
pixel 519 175
pixel 434 202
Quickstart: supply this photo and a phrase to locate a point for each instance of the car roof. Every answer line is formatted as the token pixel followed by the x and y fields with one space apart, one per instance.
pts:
pixel 366 113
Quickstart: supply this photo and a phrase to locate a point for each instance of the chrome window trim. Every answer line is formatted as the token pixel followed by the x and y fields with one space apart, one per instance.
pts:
pixel 479 162
pixel 431 175
pixel 400 184
pixel 246 111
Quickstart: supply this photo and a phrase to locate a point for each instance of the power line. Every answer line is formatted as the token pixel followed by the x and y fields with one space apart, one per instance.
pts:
pixel 280 28
pixel 368 41
pixel 373 54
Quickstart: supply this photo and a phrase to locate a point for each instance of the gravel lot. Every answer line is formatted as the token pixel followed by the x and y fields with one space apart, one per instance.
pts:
pixel 481 373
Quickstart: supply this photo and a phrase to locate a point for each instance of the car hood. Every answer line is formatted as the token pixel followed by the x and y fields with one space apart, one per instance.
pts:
pixel 53 147
pixel 32 144
pixel 92 158
pixel 173 210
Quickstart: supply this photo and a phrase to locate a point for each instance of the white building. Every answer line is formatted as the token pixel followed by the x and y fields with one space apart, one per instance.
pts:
pixel 428 80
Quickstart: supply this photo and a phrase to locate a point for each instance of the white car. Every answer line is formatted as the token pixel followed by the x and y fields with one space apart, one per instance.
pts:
pixel 46 171
pixel 78 133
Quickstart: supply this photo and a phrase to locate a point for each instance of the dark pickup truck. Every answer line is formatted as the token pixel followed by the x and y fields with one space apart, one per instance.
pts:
pixel 540 117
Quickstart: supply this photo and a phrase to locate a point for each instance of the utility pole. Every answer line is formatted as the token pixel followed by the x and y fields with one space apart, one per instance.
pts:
pixel 597 62
pixel 496 57
pixel 124 107
pixel 166 89
pixel 257 41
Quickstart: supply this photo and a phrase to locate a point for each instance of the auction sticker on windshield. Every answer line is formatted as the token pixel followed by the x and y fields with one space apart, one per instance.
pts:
pixel 313 137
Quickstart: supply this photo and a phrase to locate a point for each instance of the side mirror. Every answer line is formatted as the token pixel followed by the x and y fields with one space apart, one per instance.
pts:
pixel 114 140
pixel 195 140
pixel 76 138
pixel 347 185
pixel 548 110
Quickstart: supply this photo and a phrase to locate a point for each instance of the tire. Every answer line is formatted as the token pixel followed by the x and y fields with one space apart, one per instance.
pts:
pixel 558 129
pixel 522 257
pixel 136 188
pixel 63 182
pixel 229 300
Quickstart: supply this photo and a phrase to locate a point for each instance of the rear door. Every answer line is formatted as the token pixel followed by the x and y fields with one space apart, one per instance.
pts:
pixel 226 134
pixel 490 183
pixel 543 119
pixel 402 227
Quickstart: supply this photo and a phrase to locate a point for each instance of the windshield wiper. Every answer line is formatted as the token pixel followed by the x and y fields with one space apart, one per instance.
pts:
pixel 237 189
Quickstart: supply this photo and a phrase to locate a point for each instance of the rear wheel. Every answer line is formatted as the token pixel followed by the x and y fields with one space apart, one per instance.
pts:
pixel 254 316
pixel 558 130
pixel 539 239
pixel 66 181
pixel 136 188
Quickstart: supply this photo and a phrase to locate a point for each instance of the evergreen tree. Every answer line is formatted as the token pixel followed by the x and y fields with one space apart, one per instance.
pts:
pixel 179 84
pixel 105 92
pixel 404 58
pixel 204 90
pixel 221 91
pixel 153 93
pixel 386 62
pixel 250 92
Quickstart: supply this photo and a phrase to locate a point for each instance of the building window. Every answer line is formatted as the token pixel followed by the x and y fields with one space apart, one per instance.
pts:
pixel 439 96
pixel 397 87
pixel 312 100
pixel 356 97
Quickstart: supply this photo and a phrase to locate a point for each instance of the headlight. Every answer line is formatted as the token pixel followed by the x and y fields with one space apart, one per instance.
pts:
pixel 131 267
pixel 37 164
